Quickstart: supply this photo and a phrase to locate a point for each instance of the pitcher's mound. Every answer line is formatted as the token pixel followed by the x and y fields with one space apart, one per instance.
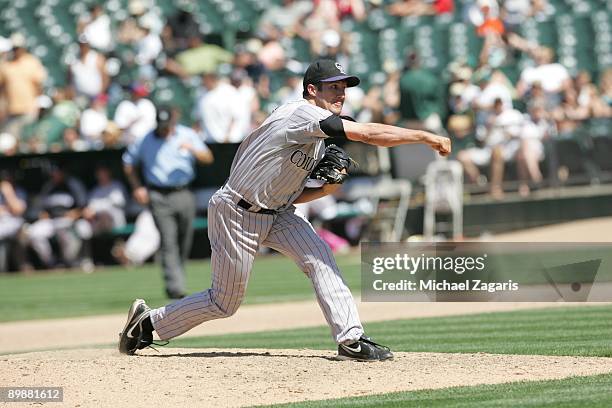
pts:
pixel 239 377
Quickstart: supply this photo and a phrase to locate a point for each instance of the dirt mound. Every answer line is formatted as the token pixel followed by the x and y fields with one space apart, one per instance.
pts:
pixel 233 377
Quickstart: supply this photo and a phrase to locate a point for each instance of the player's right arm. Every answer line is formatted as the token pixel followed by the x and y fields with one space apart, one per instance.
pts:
pixel 310 194
pixel 379 134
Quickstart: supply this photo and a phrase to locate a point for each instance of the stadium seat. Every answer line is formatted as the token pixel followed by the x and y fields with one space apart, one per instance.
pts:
pixel 574 153
pixel 602 148
pixel 444 194
pixel 458 42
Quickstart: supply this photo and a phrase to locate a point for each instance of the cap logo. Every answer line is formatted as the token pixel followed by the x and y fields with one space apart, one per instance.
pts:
pixel 340 68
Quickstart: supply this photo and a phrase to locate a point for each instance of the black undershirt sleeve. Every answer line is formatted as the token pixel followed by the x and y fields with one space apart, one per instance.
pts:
pixel 332 126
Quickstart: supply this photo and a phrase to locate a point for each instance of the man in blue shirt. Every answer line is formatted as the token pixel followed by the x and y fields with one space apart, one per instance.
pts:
pixel 167 157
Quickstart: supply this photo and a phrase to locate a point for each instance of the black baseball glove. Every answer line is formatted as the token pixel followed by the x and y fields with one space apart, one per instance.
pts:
pixel 329 169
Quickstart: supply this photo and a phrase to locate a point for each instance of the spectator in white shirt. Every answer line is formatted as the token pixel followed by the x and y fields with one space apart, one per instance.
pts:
pixel 463 93
pixel 224 110
pixel 147 50
pixel 94 121
pixel 493 86
pixel 97 28
pixel 553 77
pixel 501 143
pixel 136 116
pixel 87 72
pixel 247 95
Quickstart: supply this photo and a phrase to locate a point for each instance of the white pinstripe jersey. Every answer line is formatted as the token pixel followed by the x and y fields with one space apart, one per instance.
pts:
pixel 272 164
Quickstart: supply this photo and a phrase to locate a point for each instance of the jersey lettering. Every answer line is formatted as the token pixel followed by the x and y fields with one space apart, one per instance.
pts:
pixel 302 160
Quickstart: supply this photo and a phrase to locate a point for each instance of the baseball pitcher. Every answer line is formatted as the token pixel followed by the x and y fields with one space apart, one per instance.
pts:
pixel 256 207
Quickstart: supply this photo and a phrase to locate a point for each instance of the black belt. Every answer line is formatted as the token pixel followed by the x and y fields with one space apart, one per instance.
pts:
pixel 167 190
pixel 246 205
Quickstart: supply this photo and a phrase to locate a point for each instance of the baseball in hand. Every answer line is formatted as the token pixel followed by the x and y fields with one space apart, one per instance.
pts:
pixel 441 144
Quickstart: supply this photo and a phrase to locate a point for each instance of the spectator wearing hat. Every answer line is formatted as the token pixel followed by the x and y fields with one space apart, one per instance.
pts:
pixel 166 157
pixel 21 80
pixel 87 74
pixel 136 116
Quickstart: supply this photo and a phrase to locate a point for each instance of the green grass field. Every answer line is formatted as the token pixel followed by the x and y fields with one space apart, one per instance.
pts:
pixel 578 331
pixel 109 290
pixel 592 392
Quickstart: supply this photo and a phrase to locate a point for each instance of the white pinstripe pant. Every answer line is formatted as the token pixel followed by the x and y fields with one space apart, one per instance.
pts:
pixel 235 235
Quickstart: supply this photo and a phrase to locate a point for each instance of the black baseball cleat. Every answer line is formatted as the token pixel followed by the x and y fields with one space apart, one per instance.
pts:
pixel 135 334
pixel 364 349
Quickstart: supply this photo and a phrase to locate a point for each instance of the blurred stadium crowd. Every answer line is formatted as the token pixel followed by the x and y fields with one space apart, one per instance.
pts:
pixel 525 82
